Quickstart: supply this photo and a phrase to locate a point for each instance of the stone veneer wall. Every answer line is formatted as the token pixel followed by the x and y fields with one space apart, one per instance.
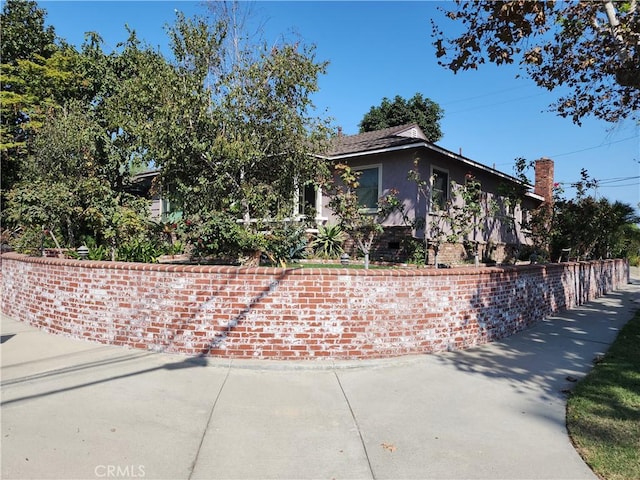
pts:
pixel 293 313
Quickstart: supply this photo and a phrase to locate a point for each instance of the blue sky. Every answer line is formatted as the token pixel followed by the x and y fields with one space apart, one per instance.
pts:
pixel 383 49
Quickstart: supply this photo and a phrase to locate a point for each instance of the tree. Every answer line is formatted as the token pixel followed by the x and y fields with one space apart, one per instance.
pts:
pixel 593 228
pixel 229 123
pixel 591 48
pixel 127 94
pixel 423 111
pixel 233 129
pixel 25 47
pixel 586 226
pixel 66 187
pixel 83 113
pixel 23 32
pixel 463 216
pixel 362 226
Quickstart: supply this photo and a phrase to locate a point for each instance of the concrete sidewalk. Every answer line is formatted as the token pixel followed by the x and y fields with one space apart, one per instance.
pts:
pixel 72 409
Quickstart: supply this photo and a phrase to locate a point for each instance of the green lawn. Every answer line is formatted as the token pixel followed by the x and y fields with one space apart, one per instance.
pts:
pixel 603 412
pixel 353 266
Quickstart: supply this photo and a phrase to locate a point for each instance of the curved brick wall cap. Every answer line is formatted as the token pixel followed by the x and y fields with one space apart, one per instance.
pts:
pixel 310 313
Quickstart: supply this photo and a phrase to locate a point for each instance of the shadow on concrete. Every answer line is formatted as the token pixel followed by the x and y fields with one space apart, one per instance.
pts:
pixel 6 338
pixel 551 355
pixel 190 362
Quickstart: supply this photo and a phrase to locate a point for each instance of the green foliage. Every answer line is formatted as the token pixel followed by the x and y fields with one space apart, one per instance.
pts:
pixel 285 243
pixel 36 74
pixel 594 228
pixel 219 235
pixel 67 184
pixel 588 50
pixel 461 217
pixel 75 140
pixel 233 127
pixel 99 253
pixel 139 250
pixel 230 124
pixel 423 111
pixel 416 251
pixel 328 242
pixel 603 411
pixel 23 32
pixel 361 225
pixel 590 228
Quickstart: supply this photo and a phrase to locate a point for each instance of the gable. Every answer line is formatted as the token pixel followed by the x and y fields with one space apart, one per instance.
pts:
pixel 410 136
pixel 379 140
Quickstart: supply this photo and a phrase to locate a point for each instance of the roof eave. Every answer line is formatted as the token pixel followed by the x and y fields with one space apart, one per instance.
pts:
pixel 435 148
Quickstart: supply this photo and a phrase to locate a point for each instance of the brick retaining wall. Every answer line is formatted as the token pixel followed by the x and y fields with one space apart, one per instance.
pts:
pixel 277 313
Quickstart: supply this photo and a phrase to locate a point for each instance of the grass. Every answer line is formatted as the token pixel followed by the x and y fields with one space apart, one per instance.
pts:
pixel 603 411
pixel 353 266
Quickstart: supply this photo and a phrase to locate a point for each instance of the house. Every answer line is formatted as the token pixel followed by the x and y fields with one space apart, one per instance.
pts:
pixel 384 159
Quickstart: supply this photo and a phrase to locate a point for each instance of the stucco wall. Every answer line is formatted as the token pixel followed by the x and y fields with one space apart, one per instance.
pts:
pixel 497 227
pixel 292 313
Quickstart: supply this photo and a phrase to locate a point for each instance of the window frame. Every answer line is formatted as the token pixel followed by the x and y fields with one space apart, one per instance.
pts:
pixel 361 168
pixel 302 203
pixel 447 192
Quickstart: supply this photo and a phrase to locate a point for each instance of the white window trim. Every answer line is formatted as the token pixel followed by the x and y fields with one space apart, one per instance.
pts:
pixel 317 204
pixel 367 167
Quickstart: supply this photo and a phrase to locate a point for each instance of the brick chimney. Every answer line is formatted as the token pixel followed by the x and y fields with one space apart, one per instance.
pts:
pixel 544 179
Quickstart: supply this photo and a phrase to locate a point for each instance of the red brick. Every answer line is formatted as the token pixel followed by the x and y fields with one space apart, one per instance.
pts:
pixel 317 308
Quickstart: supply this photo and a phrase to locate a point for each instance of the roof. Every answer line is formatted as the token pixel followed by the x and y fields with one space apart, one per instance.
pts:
pixel 380 139
pixel 401 137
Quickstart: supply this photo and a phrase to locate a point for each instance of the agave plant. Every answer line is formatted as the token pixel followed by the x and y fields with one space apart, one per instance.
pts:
pixel 328 241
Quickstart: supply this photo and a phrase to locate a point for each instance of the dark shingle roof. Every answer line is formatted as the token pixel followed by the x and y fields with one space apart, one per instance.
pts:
pixel 379 139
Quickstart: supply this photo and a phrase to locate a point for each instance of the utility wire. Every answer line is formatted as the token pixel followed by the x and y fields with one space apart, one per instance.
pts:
pixel 606 181
pixel 495 103
pixel 615 186
pixel 495 92
pixel 592 148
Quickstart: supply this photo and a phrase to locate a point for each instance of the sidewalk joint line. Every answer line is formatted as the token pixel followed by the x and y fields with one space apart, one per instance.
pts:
pixel 206 427
pixel 586 340
pixel 355 420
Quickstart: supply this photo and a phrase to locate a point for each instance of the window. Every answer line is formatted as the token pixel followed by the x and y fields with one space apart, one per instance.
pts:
pixel 307 200
pixel 368 191
pixel 439 188
pixel 526 219
pixel 168 211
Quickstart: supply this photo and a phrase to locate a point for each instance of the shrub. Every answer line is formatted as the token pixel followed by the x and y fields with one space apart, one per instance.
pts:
pixel 328 241
pixel 415 251
pixel 284 244
pixel 220 236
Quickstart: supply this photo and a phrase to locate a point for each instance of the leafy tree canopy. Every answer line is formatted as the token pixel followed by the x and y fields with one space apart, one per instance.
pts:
pixel 593 228
pixel 66 186
pixel 233 125
pixel 391 113
pixel 229 124
pixel 23 32
pixel 591 48
pixel 31 65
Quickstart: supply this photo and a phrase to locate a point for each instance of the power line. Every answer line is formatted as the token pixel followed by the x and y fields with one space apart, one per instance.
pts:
pixel 496 103
pixel 592 148
pixel 615 186
pixel 496 92
pixel 605 181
